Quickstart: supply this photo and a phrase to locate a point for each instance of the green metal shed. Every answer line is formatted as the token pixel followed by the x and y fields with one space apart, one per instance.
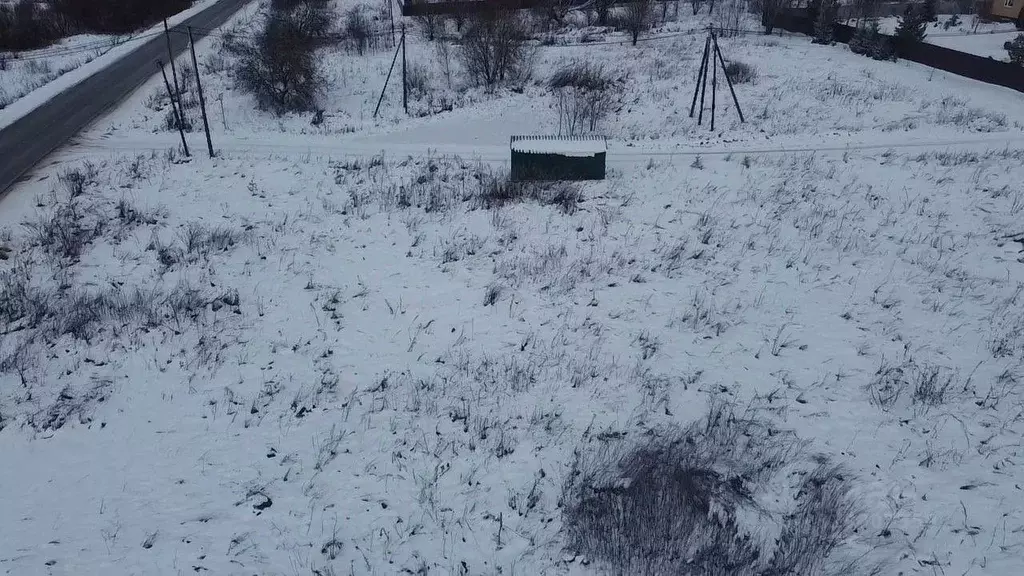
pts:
pixel 558 157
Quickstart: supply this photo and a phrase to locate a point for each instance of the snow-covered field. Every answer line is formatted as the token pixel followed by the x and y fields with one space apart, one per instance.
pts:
pixel 340 349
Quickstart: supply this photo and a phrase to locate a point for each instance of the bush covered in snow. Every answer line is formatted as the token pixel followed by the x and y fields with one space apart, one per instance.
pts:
pixel 686 501
pixel 279 66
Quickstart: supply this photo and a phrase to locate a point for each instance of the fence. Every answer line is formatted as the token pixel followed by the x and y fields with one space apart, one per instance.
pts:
pixel 959 63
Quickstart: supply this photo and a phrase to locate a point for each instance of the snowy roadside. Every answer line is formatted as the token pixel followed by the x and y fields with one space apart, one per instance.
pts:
pixel 37 79
pixel 32 69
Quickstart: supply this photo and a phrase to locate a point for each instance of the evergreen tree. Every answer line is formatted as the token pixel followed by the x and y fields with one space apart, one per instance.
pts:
pixel 869 41
pixel 823 24
pixel 813 7
pixel 1015 48
pixel 860 44
pixel 911 27
pixel 930 10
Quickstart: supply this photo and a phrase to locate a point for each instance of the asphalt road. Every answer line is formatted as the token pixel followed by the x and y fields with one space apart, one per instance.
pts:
pixel 29 140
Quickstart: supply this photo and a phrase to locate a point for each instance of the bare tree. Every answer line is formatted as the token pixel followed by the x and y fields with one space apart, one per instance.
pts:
pixel 359 29
pixel 430 23
pixel 861 9
pixel 638 18
pixel 444 57
pixel 729 17
pixel 279 66
pixel 494 48
pixel 555 11
pixel 459 18
pixel 770 10
pixel 584 95
pixel 695 4
pixel 602 8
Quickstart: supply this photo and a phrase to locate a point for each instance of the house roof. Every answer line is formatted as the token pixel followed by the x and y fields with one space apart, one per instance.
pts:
pixel 564 145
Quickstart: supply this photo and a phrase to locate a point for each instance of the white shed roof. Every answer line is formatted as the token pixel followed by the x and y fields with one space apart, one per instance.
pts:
pixel 566 146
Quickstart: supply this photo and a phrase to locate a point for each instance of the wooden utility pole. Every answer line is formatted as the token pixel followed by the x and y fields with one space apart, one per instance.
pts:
pixel 714 85
pixel 174 70
pixel 700 74
pixel 712 58
pixel 199 87
pixel 223 116
pixel 728 80
pixel 703 91
pixel 388 79
pixel 391 15
pixel 174 108
pixel 405 80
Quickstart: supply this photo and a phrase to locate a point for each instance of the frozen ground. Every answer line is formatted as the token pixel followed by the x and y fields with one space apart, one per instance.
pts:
pixel 298 358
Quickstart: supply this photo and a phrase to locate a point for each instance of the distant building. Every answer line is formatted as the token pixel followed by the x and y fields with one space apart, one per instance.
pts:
pixel 1005 9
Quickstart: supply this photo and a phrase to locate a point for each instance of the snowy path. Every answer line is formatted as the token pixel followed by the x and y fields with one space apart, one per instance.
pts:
pixel 492 150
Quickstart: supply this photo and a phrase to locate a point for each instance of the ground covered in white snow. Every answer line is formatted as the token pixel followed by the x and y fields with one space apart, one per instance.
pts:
pixel 302 357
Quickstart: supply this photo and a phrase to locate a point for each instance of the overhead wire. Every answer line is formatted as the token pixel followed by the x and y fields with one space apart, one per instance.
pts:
pixel 58 52
pixel 78 49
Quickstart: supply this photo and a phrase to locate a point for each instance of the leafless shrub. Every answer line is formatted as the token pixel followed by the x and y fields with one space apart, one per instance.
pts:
pixel 554 11
pixel 602 9
pixel 770 10
pixel 430 24
pixel 499 190
pixel 825 516
pixel 494 49
pixel 279 66
pixel 74 180
pixel 130 215
pixel 418 80
pixel 584 95
pixel 638 17
pixel 682 500
pixel 185 302
pixel 21 301
pixel 702 316
pixel 70 404
pixel 82 313
pixel 927 385
pixel 67 230
pixel 443 53
pixel 739 72
pixel 492 294
pixel 202 240
pixel 359 30
pixel 954 111
pixel 328 447
pixel 728 17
